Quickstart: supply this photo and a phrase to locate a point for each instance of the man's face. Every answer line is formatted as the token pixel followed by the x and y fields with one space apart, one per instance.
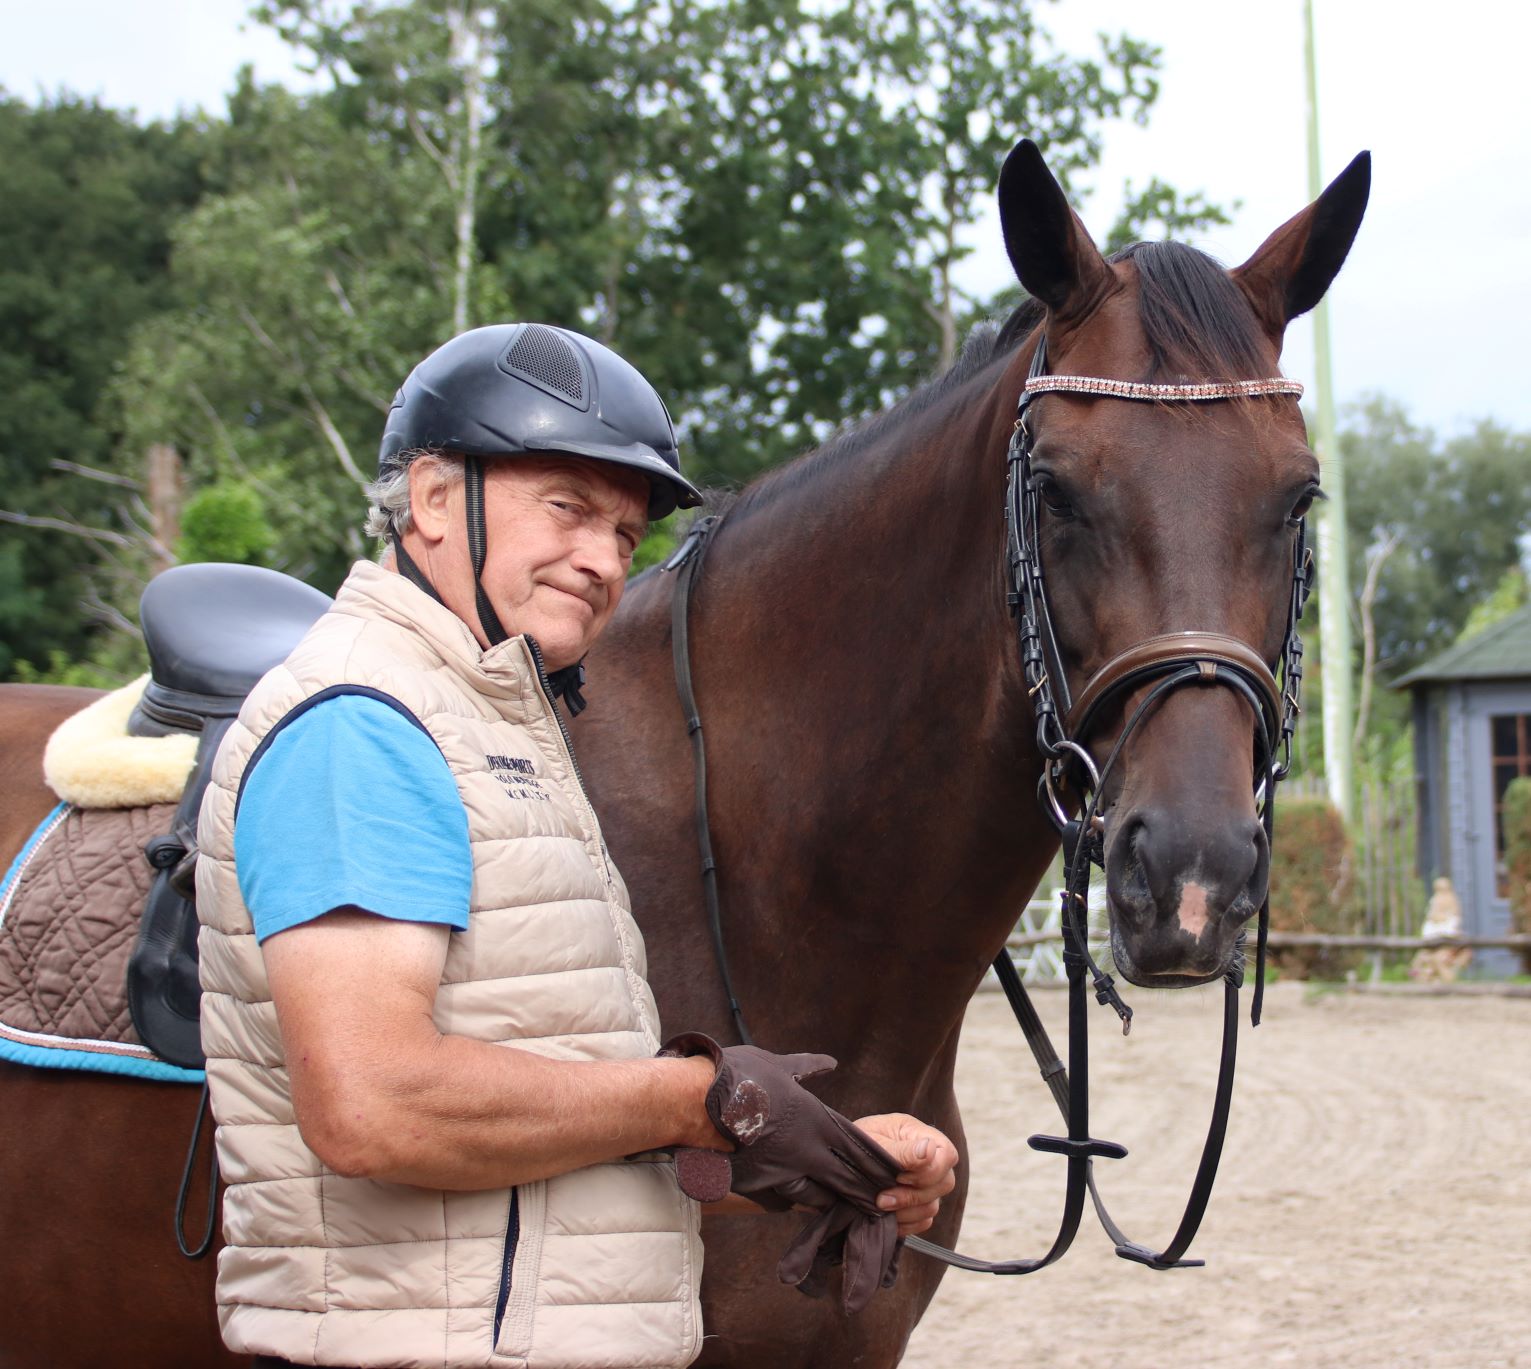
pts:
pixel 561 537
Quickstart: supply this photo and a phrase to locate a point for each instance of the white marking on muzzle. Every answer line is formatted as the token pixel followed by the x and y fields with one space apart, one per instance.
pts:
pixel 1193 909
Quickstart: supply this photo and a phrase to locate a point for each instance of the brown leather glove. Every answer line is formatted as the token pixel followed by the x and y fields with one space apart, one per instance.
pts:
pixel 795 1149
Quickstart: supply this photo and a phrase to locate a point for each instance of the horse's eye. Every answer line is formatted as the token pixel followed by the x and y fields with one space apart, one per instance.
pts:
pixel 1301 507
pixel 1051 494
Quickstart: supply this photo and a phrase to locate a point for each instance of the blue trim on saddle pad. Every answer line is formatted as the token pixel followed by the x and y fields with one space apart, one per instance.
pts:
pixel 62 1056
pixel 64 1059
pixel 43 828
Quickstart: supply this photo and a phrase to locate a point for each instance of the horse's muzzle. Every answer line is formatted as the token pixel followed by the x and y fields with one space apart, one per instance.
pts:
pixel 1180 890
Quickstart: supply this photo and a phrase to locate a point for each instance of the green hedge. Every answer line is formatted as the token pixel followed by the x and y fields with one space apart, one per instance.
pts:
pixel 1313 887
pixel 1517 857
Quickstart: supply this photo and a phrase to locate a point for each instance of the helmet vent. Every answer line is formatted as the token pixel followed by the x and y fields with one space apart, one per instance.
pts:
pixel 542 356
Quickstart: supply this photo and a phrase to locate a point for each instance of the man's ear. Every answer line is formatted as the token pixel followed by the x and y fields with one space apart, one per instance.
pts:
pixel 431 505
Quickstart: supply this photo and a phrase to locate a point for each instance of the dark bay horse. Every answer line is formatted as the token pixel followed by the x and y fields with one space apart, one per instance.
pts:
pixel 872 755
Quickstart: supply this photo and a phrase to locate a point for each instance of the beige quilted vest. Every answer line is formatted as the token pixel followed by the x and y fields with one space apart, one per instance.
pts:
pixel 599 1267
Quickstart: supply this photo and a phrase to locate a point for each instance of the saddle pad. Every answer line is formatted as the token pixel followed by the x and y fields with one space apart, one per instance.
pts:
pixel 69 913
pixel 92 762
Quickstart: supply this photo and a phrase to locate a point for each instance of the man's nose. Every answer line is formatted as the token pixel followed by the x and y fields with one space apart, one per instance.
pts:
pixel 599 554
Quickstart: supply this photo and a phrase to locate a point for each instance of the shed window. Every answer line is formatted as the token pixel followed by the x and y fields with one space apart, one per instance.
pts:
pixel 1510 750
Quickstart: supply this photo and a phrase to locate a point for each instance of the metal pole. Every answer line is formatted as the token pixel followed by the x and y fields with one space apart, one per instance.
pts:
pixel 1333 561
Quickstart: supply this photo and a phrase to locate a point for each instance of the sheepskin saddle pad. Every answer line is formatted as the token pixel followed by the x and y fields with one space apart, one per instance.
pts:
pixel 70 908
pixel 91 761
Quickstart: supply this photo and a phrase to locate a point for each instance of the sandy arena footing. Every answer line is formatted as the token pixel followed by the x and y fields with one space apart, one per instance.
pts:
pixel 1373 1209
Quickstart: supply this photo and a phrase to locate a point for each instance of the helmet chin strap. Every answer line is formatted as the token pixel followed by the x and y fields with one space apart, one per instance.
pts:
pixel 562 684
pixel 478 547
pixel 411 571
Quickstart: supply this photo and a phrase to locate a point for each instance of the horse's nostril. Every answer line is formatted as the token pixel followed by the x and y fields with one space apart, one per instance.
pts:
pixel 1161 860
pixel 1127 874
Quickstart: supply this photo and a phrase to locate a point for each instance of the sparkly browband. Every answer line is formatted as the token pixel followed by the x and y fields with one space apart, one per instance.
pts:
pixel 1128 389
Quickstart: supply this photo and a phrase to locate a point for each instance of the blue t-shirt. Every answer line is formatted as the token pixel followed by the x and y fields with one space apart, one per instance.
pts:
pixel 351 804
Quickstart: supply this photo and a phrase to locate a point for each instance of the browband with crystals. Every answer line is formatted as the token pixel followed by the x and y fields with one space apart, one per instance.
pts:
pixel 1128 389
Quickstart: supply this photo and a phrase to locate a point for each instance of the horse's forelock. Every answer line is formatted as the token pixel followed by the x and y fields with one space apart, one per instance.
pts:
pixel 1196 321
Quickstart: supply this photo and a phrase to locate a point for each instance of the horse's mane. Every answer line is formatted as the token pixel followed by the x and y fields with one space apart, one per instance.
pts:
pixel 1196 321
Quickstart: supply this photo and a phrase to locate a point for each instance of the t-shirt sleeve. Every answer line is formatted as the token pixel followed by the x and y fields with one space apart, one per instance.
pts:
pixel 351 804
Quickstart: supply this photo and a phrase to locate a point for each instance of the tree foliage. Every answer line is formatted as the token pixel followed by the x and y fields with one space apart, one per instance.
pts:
pixel 1459 509
pixel 760 202
pixel 86 218
pixel 1313 887
pixel 225 521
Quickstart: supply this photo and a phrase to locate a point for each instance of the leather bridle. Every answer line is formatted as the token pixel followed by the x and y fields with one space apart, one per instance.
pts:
pixel 1064 726
pixel 1064 729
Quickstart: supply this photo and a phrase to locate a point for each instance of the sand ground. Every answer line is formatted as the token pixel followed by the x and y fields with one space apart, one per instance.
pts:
pixel 1373 1208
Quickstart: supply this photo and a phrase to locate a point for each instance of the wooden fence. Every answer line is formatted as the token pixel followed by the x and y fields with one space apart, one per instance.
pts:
pixel 1391 894
pixel 1036 944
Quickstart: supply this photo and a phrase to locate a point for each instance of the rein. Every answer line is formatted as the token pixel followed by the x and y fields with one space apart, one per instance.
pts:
pixel 1165 663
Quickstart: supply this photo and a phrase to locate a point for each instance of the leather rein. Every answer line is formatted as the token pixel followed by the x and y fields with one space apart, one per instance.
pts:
pixel 1162 663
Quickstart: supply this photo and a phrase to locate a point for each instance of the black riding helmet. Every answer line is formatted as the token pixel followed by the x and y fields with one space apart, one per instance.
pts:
pixel 513 388
pixel 516 388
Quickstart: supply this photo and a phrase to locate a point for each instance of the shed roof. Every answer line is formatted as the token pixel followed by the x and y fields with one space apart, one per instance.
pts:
pixel 1501 651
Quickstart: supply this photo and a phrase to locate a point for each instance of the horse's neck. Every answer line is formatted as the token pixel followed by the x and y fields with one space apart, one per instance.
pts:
pixel 873 775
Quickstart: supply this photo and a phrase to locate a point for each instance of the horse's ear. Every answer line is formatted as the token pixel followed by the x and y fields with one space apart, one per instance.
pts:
pixel 1054 257
pixel 1293 267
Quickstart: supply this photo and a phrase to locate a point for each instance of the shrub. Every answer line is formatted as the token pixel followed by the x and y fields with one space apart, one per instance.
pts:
pixel 1517 857
pixel 226 522
pixel 1313 887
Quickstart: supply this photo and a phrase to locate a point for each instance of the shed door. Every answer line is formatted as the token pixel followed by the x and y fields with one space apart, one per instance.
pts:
pixel 1498 751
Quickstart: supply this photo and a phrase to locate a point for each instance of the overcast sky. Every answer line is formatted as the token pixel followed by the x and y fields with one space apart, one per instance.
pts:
pixel 1431 308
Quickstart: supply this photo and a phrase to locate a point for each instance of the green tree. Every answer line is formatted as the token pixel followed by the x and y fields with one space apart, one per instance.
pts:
pixel 1457 510
pixel 1507 597
pixel 85 220
pixel 225 521
pixel 306 289
pixel 759 201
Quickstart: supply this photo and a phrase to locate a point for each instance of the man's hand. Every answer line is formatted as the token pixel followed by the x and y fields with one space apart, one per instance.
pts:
pixel 926 1159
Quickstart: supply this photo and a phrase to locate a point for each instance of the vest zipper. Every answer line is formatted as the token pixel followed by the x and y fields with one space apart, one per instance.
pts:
pixel 568 742
pixel 512 1236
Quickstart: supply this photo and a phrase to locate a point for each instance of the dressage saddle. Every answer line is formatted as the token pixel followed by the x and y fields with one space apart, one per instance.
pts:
pixel 212 630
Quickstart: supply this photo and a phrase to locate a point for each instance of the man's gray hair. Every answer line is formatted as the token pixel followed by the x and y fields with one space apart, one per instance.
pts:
pixel 389 515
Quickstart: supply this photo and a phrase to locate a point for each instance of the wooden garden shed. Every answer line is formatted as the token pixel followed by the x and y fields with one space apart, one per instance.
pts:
pixel 1472 736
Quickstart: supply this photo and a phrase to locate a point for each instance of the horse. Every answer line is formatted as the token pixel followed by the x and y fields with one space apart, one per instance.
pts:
pixel 874 759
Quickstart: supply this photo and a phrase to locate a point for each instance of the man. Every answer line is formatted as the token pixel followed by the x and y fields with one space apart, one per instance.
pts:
pixel 444 1120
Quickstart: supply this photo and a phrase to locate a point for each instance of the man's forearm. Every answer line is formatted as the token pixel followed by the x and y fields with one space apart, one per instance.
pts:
pixel 453 1113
